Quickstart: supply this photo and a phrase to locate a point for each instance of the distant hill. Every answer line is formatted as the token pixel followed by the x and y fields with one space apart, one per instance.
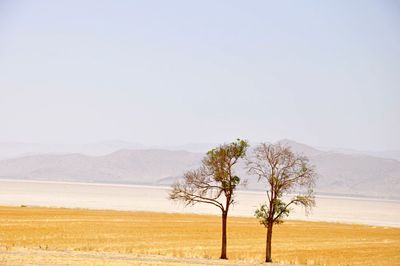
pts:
pixel 124 166
pixel 340 173
pixel 18 149
pixel 353 174
pixel 10 150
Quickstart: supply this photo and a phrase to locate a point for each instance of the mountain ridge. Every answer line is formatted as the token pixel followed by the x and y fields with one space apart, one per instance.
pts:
pixel 342 174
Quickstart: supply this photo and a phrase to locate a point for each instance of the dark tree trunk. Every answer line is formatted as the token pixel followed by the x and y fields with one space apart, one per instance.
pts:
pixel 268 255
pixel 223 247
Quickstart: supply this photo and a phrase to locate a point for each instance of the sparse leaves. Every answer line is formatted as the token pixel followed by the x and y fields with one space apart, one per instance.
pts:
pixel 285 173
pixel 214 178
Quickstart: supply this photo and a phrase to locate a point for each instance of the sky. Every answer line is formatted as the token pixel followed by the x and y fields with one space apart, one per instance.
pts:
pixel 324 73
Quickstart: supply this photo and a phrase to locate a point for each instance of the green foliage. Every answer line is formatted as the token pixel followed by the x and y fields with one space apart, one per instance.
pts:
pixel 277 214
pixel 262 214
pixel 221 160
pixel 214 178
pixel 281 210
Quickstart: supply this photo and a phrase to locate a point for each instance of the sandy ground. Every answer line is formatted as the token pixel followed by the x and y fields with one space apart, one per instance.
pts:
pixel 146 198
pixel 50 258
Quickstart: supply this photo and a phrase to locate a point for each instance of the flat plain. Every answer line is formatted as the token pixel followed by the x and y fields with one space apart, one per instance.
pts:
pixel 124 197
pixel 58 236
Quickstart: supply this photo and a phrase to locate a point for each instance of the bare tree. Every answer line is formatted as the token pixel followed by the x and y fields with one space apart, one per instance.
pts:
pixel 285 173
pixel 213 183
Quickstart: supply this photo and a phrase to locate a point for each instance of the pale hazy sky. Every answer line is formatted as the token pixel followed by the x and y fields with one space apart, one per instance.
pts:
pixel 325 73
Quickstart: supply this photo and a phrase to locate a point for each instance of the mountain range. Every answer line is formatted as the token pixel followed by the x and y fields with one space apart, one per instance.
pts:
pixel 340 173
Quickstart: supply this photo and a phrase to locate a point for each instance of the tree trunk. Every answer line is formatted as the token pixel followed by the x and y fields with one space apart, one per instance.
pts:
pixel 223 247
pixel 268 255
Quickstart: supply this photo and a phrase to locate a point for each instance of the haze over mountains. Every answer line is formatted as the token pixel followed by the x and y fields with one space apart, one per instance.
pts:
pixel 18 149
pixel 341 173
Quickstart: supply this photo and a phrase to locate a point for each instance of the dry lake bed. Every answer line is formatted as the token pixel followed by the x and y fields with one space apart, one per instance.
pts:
pixel 155 199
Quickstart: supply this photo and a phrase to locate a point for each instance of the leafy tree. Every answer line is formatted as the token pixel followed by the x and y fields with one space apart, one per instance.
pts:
pixel 285 173
pixel 214 182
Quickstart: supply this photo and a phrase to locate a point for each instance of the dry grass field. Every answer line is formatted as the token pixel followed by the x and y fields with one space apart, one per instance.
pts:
pixel 49 236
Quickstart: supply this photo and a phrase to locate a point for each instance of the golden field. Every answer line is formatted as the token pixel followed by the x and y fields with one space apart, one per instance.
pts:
pixel 50 236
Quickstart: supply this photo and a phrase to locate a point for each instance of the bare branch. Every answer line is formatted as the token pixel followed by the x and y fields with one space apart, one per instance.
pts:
pixel 285 172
